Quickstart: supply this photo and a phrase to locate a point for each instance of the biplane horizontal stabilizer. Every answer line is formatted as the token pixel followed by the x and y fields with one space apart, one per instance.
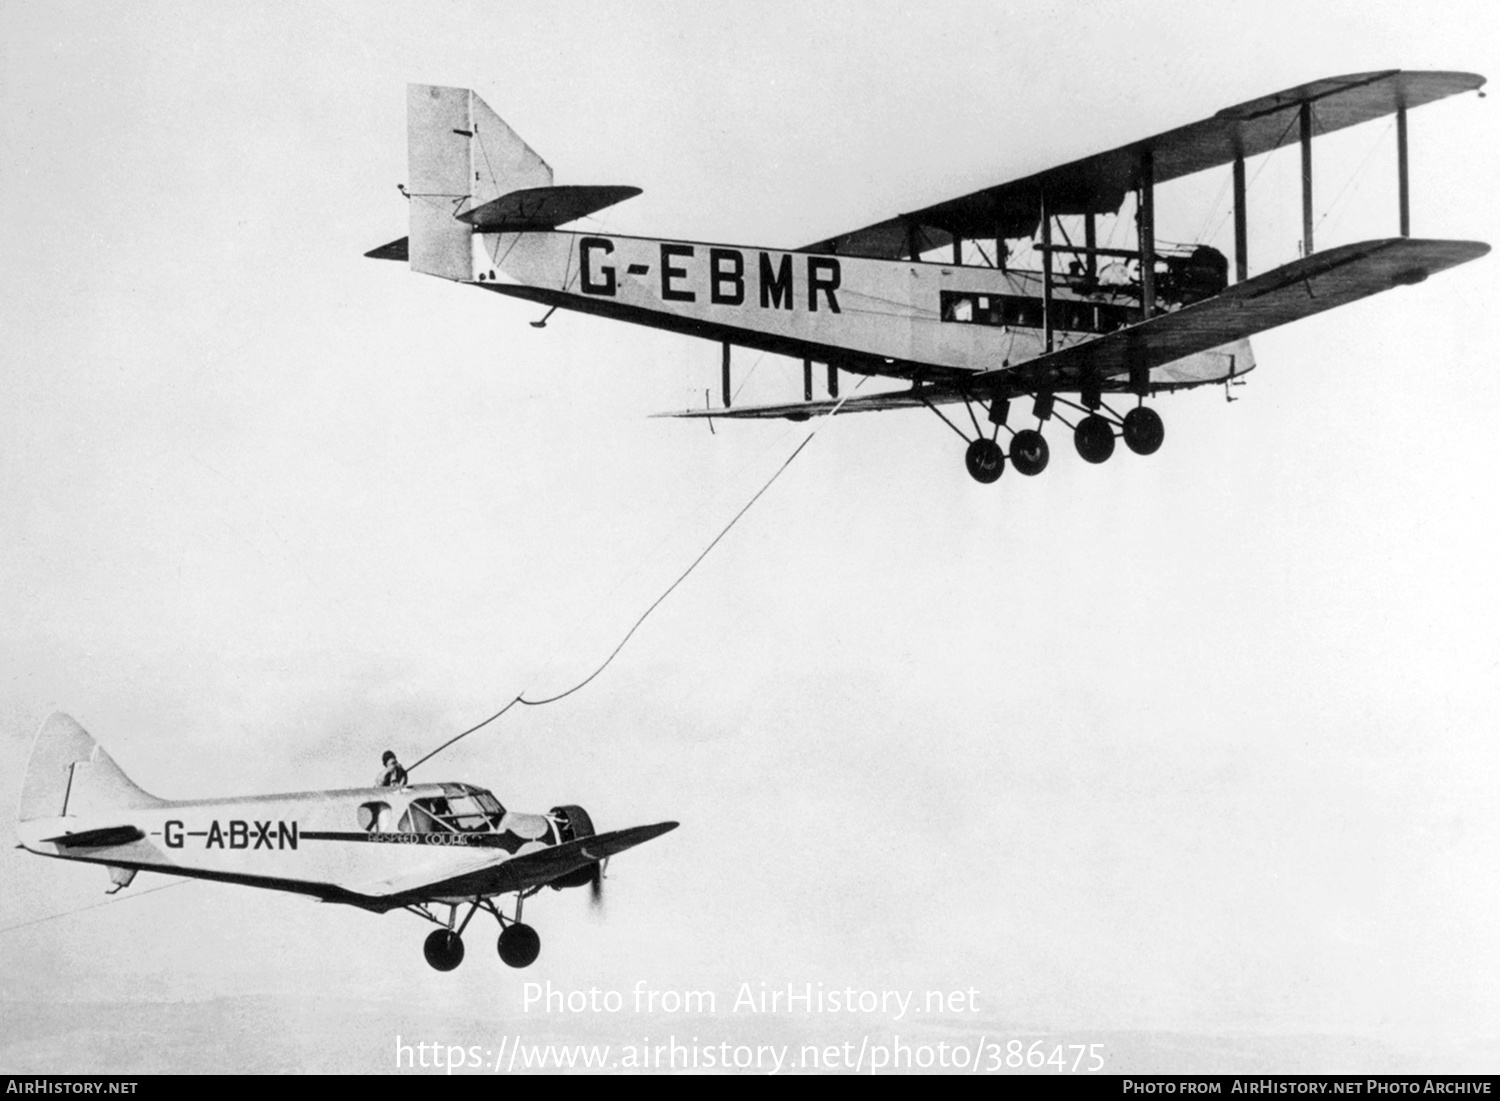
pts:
pixel 538 208
pixel 395 250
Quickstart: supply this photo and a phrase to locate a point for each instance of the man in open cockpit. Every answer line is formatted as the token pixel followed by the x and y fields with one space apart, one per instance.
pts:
pixel 393 775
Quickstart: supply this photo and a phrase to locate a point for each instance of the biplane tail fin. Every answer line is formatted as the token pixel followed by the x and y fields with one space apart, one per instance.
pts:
pixel 460 156
pixel 70 774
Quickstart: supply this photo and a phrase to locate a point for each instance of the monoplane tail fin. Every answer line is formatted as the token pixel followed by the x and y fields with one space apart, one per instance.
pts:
pixel 69 774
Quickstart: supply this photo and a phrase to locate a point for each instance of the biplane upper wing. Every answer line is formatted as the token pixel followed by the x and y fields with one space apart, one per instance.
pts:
pixel 1098 184
pixel 490 872
pixel 1300 289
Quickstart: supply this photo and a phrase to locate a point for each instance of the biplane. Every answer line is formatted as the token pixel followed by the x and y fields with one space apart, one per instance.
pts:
pixel 929 297
pixel 423 848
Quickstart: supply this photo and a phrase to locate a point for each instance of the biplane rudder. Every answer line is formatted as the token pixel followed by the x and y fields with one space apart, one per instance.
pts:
pixel 70 774
pixel 460 155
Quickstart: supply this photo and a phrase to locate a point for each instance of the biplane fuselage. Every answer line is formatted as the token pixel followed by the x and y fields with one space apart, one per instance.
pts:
pixel 895 318
pixel 909 297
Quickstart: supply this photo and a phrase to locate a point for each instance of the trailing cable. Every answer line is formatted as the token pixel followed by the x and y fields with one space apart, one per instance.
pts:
pixel 521 698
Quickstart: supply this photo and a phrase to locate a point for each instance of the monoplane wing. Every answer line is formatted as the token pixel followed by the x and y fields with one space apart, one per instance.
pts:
pixel 1334 277
pixel 489 871
pixel 545 865
pixel 1098 184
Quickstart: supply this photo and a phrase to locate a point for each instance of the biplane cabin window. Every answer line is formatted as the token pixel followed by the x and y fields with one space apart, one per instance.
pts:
pixel 958 308
pixel 1020 312
pixel 470 811
pixel 1074 317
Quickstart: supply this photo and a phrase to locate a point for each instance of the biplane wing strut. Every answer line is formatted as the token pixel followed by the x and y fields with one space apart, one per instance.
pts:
pixel 1098 184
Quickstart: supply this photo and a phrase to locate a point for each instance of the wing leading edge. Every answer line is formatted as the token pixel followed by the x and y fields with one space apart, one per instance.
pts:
pixel 1300 289
pixel 497 873
pixel 1097 184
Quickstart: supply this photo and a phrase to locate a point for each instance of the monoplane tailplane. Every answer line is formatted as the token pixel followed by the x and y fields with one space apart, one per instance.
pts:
pixel 460 155
pixel 69 774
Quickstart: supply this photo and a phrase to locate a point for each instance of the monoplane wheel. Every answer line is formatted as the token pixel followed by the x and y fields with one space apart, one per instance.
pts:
pixel 1143 430
pixel 1028 452
pixel 444 949
pixel 519 945
pixel 1095 438
pixel 985 460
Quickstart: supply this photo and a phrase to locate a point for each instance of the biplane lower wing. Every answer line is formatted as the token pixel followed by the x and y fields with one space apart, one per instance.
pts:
pixel 1300 289
pixel 492 873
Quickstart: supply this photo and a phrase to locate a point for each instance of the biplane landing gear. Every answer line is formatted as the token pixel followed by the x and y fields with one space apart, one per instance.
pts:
pixel 985 460
pixel 519 945
pixel 1095 438
pixel 444 949
pixel 1143 430
pixel 1029 452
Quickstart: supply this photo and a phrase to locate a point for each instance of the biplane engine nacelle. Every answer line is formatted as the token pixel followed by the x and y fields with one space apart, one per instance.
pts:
pixel 1202 273
pixel 573 822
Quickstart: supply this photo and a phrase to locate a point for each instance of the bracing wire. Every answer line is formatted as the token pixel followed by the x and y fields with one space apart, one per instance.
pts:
pixel 683 576
pixel 1355 179
pixel 1266 160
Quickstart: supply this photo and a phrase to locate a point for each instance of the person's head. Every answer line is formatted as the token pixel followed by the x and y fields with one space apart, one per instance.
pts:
pixel 389 759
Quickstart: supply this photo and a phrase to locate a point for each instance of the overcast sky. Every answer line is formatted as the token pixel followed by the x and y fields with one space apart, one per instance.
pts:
pixel 1194 754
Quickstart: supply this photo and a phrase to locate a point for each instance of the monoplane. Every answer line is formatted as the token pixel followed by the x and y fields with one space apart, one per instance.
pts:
pixel 423 848
pixel 931 296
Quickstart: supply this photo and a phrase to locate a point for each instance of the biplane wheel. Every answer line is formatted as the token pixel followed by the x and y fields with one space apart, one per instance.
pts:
pixel 1143 430
pixel 985 460
pixel 444 949
pixel 1029 452
pixel 519 945
pixel 1095 438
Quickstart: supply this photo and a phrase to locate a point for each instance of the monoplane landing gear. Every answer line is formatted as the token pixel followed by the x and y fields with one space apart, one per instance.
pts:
pixel 1095 438
pixel 444 946
pixel 1029 452
pixel 444 949
pixel 985 460
pixel 519 945
pixel 1143 430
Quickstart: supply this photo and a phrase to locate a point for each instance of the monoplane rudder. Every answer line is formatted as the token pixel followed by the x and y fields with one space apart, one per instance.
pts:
pixel 70 774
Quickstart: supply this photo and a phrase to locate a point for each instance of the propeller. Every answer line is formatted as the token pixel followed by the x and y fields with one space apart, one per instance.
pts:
pixel 596 887
pixel 573 823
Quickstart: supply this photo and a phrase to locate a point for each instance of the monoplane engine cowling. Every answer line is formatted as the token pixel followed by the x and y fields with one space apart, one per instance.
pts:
pixel 572 823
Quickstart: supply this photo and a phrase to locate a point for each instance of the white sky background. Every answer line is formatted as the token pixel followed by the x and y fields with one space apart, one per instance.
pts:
pixel 1200 744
